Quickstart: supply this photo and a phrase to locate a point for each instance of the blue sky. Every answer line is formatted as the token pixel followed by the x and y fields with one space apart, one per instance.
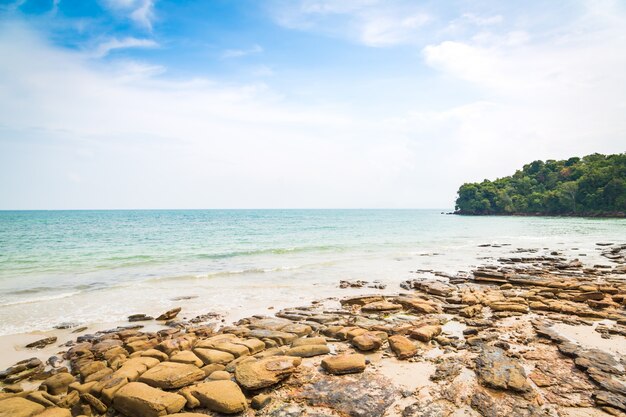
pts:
pixel 300 103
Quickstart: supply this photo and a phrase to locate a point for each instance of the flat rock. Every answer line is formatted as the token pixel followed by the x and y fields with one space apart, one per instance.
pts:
pixel 19 407
pixel 381 306
pixel 344 364
pixel 307 351
pixel 402 346
pixel 221 396
pixel 171 375
pixel 496 370
pixel 140 400
pixel 266 372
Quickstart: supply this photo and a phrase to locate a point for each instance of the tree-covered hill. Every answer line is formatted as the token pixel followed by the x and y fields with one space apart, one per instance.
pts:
pixel 594 185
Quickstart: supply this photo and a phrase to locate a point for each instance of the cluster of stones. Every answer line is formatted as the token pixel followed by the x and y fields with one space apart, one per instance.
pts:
pixel 615 253
pixel 321 360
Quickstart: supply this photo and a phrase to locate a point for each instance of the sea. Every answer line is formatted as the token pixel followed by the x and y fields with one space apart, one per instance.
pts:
pixel 81 267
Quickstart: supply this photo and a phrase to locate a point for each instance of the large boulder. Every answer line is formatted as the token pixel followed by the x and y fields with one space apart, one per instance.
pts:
pixel 265 372
pixel 140 400
pixel 171 375
pixel 221 396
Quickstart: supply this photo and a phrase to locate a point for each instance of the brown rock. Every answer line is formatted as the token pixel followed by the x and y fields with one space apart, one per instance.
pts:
pixel 171 375
pixel 42 343
pixel 425 333
pixel 55 412
pixel 307 351
pixel 266 372
pixel 497 370
pixel 221 396
pixel 188 357
pixel 58 384
pixel 367 342
pixel 140 400
pixel 402 346
pixel 169 314
pixel 344 364
pixel 19 407
pixel 381 307
pixel 213 356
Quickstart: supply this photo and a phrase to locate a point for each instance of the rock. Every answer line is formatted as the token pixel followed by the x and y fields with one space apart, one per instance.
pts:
pixel 309 341
pixel 58 384
pixel 361 300
pixel 41 343
pixel 357 395
pixel 211 356
pixel 55 412
pixel 140 400
pixel 170 375
pixel 19 407
pixel 157 354
pixel 307 351
pixel 344 364
pixel 139 317
pixel 170 346
pixel 425 333
pixel 266 372
pixel 367 342
pixel 381 307
pixel 169 314
pixel 221 396
pixel 260 401
pixel 94 403
pixel 497 370
pixel 188 357
pixel 220 376
pixel 402 347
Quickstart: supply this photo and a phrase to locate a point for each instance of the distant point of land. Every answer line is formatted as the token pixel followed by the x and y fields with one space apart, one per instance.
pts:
pixel 591 186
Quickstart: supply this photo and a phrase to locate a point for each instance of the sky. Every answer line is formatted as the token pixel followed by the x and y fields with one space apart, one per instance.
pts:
pixel 115 104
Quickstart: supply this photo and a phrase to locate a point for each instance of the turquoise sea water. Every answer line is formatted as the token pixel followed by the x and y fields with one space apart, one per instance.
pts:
pixel 90 266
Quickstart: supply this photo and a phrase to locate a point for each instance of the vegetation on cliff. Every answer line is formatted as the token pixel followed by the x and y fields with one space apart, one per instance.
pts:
pixel 592 185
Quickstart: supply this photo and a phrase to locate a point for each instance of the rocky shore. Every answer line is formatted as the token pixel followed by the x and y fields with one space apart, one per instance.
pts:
pixel 531 334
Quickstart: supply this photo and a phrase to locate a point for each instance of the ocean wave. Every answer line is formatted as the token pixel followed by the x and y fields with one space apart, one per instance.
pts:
pixel 274 251
pixel 41 299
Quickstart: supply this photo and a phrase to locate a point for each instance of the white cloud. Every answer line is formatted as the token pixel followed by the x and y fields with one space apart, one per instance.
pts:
pixel 105 47
pixel 134 140
pixel 374 23
pixel 238 53
pixel 140 11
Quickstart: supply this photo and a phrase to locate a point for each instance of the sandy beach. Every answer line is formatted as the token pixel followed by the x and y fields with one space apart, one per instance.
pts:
pixel 534 333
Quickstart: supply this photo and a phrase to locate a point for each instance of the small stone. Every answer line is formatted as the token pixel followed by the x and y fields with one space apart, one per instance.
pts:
pixel 260 401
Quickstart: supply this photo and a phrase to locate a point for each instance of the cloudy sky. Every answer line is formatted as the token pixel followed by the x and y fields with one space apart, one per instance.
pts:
pixel 297 103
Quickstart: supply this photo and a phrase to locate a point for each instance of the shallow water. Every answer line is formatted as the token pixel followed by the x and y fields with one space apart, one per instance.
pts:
pixel 100 266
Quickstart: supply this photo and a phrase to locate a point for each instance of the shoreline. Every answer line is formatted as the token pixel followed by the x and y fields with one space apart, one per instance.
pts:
pixel 556 325
pixel 615 215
